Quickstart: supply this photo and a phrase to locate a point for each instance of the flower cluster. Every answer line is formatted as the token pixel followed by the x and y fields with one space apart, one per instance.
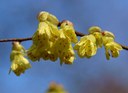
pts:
pixel 111 47
pixel 63 45
pixel 88 45
pixel 51 42
pixel 19 62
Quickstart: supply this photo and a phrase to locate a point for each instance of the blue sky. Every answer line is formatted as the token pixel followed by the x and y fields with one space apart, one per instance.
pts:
pixel 18 20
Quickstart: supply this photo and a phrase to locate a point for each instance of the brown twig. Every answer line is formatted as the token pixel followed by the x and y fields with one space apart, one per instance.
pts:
pixel 30 38
pixel 16 39
pixel 124 47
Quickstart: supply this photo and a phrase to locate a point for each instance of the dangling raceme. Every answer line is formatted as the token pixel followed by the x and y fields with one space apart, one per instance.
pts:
pixel 111 47
pixel 88 44
pixel 44 37
pixel 86 47
pixel 63 45
pixel 63 49
pixel 17 57
pixel 96 31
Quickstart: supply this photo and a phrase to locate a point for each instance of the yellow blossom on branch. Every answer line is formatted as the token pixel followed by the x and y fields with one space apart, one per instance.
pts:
pixel 112 49
pixel 19 62
pixel 107 37
pixel 69 31
pixel 96 31
pixel 63 49
pixel 44 38
pixel 86 47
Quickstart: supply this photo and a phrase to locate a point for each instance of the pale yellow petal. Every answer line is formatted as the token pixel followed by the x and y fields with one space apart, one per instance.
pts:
pixel 94 29
pixel 52 19
pixel 42 16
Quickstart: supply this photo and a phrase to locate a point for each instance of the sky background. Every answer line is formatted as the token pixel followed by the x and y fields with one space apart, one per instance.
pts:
pixel 95 75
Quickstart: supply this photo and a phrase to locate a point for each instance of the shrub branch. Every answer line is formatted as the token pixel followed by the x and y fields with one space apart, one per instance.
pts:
pixel 30 38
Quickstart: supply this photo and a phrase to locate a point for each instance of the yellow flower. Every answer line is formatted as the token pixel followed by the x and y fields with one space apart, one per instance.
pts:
pixel 50 53
pixel 107 37
pixel 67 56
pixel 42 35
pixel 54 32
pixel 86 47
pixel 44 38
pixel 62 43
pixel 42 16
pixel 96 31
pixel 69 31
pixel 99 41
pixel 63 49
pixel 111 47
pixel 43 41
pixel 45 16
pixel 114 48
pixel 34 53
pixel 19 62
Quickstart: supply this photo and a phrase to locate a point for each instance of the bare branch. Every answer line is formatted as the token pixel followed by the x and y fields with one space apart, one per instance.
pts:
pixel 16 39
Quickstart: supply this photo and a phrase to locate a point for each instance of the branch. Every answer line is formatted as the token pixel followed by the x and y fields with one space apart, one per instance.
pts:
pixel 124 47
pixel 16 39
pixel 30 38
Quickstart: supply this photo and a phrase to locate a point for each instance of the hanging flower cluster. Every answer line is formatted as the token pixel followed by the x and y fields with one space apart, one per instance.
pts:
pixel 51 42
pixel 111 47
pixel 19 62
pixel 88 45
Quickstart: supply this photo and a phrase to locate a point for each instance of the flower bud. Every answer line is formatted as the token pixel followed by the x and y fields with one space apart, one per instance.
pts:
pixel 45 16
pixel 52 19
pixel 94 29
pixel 42 16
pixel 108 34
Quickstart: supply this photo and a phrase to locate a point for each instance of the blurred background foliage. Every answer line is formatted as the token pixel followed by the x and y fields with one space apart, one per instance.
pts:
pixel 95 75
